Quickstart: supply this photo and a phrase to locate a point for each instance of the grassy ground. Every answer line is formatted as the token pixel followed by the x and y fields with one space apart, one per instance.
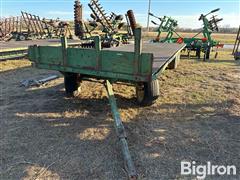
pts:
pixel 222 37
pixel 45 135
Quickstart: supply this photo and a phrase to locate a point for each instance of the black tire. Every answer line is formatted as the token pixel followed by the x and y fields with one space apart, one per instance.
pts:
pixel 147 93
pixel 198 53
pixel 72 83
pixel 208 50
pixel 21 37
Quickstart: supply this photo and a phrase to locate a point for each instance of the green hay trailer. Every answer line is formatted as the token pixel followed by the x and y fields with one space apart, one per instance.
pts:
pixel 138 64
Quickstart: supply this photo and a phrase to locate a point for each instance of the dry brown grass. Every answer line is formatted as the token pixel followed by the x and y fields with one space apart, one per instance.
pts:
pixel 222 37
pixel 13 64
pixel 47 136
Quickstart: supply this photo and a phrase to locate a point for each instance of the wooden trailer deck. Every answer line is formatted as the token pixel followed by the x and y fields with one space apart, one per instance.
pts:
pixel 162 52
pixel 18 49
pixel 24 44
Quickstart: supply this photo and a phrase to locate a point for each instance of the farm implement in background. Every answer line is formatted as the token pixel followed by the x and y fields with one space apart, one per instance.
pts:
pixel 32 27
pixel 137 64
pixel 236 52
pixel 110 25
pixel 19 49
pixel 204 44
pixel 168 25
pixel 10 25
pixel 29 26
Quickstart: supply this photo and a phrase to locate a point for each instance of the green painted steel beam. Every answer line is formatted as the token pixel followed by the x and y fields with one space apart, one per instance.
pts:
pixel 97 74
pixel 121 133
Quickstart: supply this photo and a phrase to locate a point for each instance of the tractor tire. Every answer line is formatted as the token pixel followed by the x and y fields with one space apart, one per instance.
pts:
pixel 147 93
pixel 72 83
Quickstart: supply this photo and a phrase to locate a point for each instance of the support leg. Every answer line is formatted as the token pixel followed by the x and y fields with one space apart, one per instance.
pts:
pixel 129 166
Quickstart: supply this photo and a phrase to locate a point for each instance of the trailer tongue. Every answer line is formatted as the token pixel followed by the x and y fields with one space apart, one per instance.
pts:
pixel 137 64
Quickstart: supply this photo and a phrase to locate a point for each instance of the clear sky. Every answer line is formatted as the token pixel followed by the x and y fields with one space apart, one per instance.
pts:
pixel 185 11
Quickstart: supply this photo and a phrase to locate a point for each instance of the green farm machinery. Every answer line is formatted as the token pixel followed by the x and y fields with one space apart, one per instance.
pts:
pixel 194 43
pixel 36 30
pixel 236 52
pixel 109 25
pixel 137 64
pixel 168 25
pixel 29 26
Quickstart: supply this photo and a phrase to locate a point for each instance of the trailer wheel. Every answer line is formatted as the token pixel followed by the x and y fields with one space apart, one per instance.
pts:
pixel 72 83
pixel 147 93
pixel 21 37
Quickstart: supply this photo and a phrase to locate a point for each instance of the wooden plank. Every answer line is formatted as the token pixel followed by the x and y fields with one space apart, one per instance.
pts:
pixel 25 44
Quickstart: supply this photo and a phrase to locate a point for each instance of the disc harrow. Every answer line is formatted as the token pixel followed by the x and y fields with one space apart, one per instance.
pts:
pixel 101 15
pixel 78 19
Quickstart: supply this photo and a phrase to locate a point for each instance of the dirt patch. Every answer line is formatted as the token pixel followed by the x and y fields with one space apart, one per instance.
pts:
pixel 45 135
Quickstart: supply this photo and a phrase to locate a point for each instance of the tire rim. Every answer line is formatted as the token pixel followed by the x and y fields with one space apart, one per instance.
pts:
pixel 22 38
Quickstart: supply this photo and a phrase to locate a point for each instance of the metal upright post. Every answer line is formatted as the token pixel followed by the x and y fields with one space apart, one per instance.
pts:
pixel 5 29
pixel 149 10
pixel 137 49
pixel 64 49
pixel 98 47
pixel 17 24
pixel 9 25
pixel 237 39
pixel 13 25
pixel 21 24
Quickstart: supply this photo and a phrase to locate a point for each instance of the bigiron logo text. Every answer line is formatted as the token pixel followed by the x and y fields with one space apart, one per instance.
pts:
pixel 201 171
